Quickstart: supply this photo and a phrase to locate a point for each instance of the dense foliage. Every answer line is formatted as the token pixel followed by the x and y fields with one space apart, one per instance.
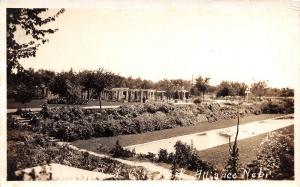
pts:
pixel 72 123
pixel 29 150
pixel 276 156
pixel 31 23
pixel 76 101
pixel 119 151
pixel 276 106
pixel 185 156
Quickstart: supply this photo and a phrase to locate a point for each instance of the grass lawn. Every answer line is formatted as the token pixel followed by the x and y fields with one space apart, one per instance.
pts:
pixel 248 149
pixel 108 142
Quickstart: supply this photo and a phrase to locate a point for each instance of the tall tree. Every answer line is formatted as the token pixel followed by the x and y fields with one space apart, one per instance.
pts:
pixel 23 93
pixel 167 86
pixel 31 22
pixel 202 85
pixel 224 89
pixel 66 85
pixel 102 79
pixel 239 89
pixel 259 88
pixel 86 79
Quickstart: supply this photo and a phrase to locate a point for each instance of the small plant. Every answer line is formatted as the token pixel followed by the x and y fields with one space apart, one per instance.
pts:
pixel 174 170
pixel 119 151
pixel 197 101
pixel 232 166
pixel 163 155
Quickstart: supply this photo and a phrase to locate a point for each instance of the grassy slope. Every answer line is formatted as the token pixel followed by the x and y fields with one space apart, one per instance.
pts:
pixel 125 140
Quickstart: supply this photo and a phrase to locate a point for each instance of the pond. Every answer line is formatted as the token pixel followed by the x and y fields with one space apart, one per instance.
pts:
pixel 212 138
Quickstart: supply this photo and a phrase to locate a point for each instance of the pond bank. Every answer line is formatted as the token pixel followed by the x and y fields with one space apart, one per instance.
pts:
pixel 125 140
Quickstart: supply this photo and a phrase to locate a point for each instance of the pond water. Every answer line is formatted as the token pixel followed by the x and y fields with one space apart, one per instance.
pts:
pixel 212 138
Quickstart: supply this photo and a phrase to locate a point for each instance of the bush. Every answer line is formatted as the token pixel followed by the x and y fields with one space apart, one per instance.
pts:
pixel 24 113
pixel 66 113
pixel 149 156
pixel 277 106
pixel 186 157
pixel 13 123
pixel 29 150
pixel 68 131
pixel 119 151
pixel 131 119
pixel 276 155
pixel 197 101
pixel 75 101
pixel 163 155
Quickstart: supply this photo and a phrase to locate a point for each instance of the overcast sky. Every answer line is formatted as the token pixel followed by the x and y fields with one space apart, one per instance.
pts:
pixel 225 40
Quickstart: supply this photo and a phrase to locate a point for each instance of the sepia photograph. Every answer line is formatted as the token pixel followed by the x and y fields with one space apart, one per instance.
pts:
pixel 158 90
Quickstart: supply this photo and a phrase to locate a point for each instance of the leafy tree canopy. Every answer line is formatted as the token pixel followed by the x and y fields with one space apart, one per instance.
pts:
pixel 32 23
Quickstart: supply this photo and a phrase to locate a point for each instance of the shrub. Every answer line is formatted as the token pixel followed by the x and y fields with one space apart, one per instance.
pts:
pixel 276 155
pixel 277 106
pixel 18 112
pixel 74 101
pixel 130 119
pixel 149 156
pixel 119 151
pixel 186 157
pixel 197 101
pixel 11 123
pixel 163 155
pixel 66 113
pixel 45 110
pixel 68 131
pixel 24 113
pixel 30 150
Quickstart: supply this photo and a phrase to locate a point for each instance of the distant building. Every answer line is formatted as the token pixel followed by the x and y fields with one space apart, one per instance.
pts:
pixel 138 95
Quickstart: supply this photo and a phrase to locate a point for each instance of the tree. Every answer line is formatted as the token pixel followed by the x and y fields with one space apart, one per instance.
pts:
pixel 66 85
pixel 23 94
pixel 31 22
pixel 130 82
pixel 202 84
pixel 259 88
pixel 118 81
pixel 102 79
pixel 86 81
pixel 286 92
pixel 239 89
pixel 147 84
pixel 167 86
pixel 224 89
pixel 26 77
pixel 44 76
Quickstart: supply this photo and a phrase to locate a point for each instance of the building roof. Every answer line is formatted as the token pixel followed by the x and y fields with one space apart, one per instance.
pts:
pixel 117 89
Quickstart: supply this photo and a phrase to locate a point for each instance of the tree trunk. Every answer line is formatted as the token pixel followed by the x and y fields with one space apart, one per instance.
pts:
pixel 237 126
pixel 202 96
pixel 100 104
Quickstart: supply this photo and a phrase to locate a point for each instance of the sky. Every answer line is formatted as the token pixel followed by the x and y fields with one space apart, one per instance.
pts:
pixel 243 41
